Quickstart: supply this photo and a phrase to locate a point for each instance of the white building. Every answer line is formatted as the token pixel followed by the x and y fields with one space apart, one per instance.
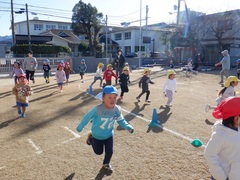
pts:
pixel 128 39
pixel 37 26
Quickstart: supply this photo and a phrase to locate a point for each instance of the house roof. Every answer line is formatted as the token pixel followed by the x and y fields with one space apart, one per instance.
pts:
pixel 63 34
pixel 35 39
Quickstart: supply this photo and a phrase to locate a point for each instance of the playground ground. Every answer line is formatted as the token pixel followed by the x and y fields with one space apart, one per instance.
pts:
pixel 45 144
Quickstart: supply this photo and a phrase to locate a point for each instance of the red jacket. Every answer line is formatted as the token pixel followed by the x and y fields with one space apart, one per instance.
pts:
pixel 107 75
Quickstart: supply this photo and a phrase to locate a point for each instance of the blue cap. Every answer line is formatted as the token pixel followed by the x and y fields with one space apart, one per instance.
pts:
pixel 110 90
pixel 238 60
pixel 83 60
pixel 46 60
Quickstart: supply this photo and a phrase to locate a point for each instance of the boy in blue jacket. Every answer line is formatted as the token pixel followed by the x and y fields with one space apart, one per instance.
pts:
pixel 103 117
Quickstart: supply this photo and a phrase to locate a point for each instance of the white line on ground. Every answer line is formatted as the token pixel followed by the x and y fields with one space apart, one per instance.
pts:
pixel 188 82
pixel 2 167
pixel 166 129
pixel 38 150
pixel 72 132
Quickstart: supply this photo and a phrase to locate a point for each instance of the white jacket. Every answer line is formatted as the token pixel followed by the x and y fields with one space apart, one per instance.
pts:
pixel 170 85
pixel 222 153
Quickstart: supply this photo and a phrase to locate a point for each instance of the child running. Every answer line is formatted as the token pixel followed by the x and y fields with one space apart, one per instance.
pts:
pixel 82 69
pixel 46 68
pixel 108 74
pixel 124 79
pixel 67 71
pixel 226 92
pixel 222 150
pixel 144 81
pixel 60 77
pixel 22 91
pixel 103 117
pixel 170 87
pixel 98 74
pixel 17 70
pixel 129 68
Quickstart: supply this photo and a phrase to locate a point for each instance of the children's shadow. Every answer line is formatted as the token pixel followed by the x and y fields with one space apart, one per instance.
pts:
pixel 102 172
pixel 6 123
pixel 135 112
pixel 70 177
pixel 155 129
pixel 164 115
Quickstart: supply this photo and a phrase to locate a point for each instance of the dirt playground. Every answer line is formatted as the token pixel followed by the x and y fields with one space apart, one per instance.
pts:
pixel 45 144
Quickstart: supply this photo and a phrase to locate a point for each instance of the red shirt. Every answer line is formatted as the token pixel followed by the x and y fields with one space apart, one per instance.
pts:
pixel 107 75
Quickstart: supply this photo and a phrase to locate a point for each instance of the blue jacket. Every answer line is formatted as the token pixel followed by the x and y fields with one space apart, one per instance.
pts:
pixel 103 120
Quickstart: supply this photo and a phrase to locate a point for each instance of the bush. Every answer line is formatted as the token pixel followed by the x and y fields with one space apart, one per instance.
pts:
pixel 40 49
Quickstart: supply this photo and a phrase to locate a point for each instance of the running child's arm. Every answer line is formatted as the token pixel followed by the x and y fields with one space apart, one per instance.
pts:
pixel 114 75
pixel 86 118
pixel 150 81
pixel 14 90
pixel 29 91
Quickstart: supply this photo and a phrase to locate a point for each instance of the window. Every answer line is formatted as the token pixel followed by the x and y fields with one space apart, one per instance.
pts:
pixel 127 49
pixel 127 35
pixel 63 34
pixel 137 48
pixel 63 27
pixel 225 24
pixel 118 36
pixel 50 26
pixel 38 27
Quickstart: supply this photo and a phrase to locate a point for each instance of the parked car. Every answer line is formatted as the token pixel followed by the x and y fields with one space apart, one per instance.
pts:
pixel 131 55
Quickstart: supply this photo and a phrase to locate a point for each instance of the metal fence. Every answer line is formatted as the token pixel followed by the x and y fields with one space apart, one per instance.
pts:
pixel 6 64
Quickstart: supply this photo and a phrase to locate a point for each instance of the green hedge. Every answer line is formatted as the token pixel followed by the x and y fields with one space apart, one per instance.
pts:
pixel 39 49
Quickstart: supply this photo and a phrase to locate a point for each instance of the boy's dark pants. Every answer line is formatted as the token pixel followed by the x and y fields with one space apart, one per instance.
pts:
pixel 98 146
pixel 123 90
pixel 143 91
pixel 31 73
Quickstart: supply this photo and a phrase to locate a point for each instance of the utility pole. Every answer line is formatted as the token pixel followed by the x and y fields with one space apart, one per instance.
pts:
pixel 146 46
pixel 12 24
pixel 140 35
pixel 106 28
pixel 178 15
pixel 28 29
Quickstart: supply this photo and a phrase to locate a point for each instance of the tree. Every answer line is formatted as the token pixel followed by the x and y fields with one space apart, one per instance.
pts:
pixel 87 20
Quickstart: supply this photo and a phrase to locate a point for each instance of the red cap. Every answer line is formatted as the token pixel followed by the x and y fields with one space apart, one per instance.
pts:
pixel 60 65
pixel 66 63
pixel 229 107
pixel 21 75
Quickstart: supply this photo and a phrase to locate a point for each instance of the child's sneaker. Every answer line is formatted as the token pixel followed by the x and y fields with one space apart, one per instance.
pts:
pixel 19 111
pixel 89 139
pixel 138 99
pixel 148 101
pixel 169 105
pixel 23 115
pixel 121 97
pixel 207 108
pixel 108 168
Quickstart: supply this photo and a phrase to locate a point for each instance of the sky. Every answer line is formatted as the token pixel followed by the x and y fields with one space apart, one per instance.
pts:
pixel 117 11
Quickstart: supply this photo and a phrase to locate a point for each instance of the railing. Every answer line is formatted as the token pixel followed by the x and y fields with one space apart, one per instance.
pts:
pixel 6 64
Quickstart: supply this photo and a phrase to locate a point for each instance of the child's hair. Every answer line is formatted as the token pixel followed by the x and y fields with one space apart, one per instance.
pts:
pixel 224 89
pixel 18 63
pixel 229 122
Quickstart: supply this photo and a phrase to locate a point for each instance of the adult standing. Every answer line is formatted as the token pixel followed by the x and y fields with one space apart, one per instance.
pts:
pixel 197 59
pixel 225 62
pixel 30 64
pixel 119 62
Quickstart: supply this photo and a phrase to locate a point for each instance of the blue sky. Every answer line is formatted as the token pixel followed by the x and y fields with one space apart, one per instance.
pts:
pixel 117 11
